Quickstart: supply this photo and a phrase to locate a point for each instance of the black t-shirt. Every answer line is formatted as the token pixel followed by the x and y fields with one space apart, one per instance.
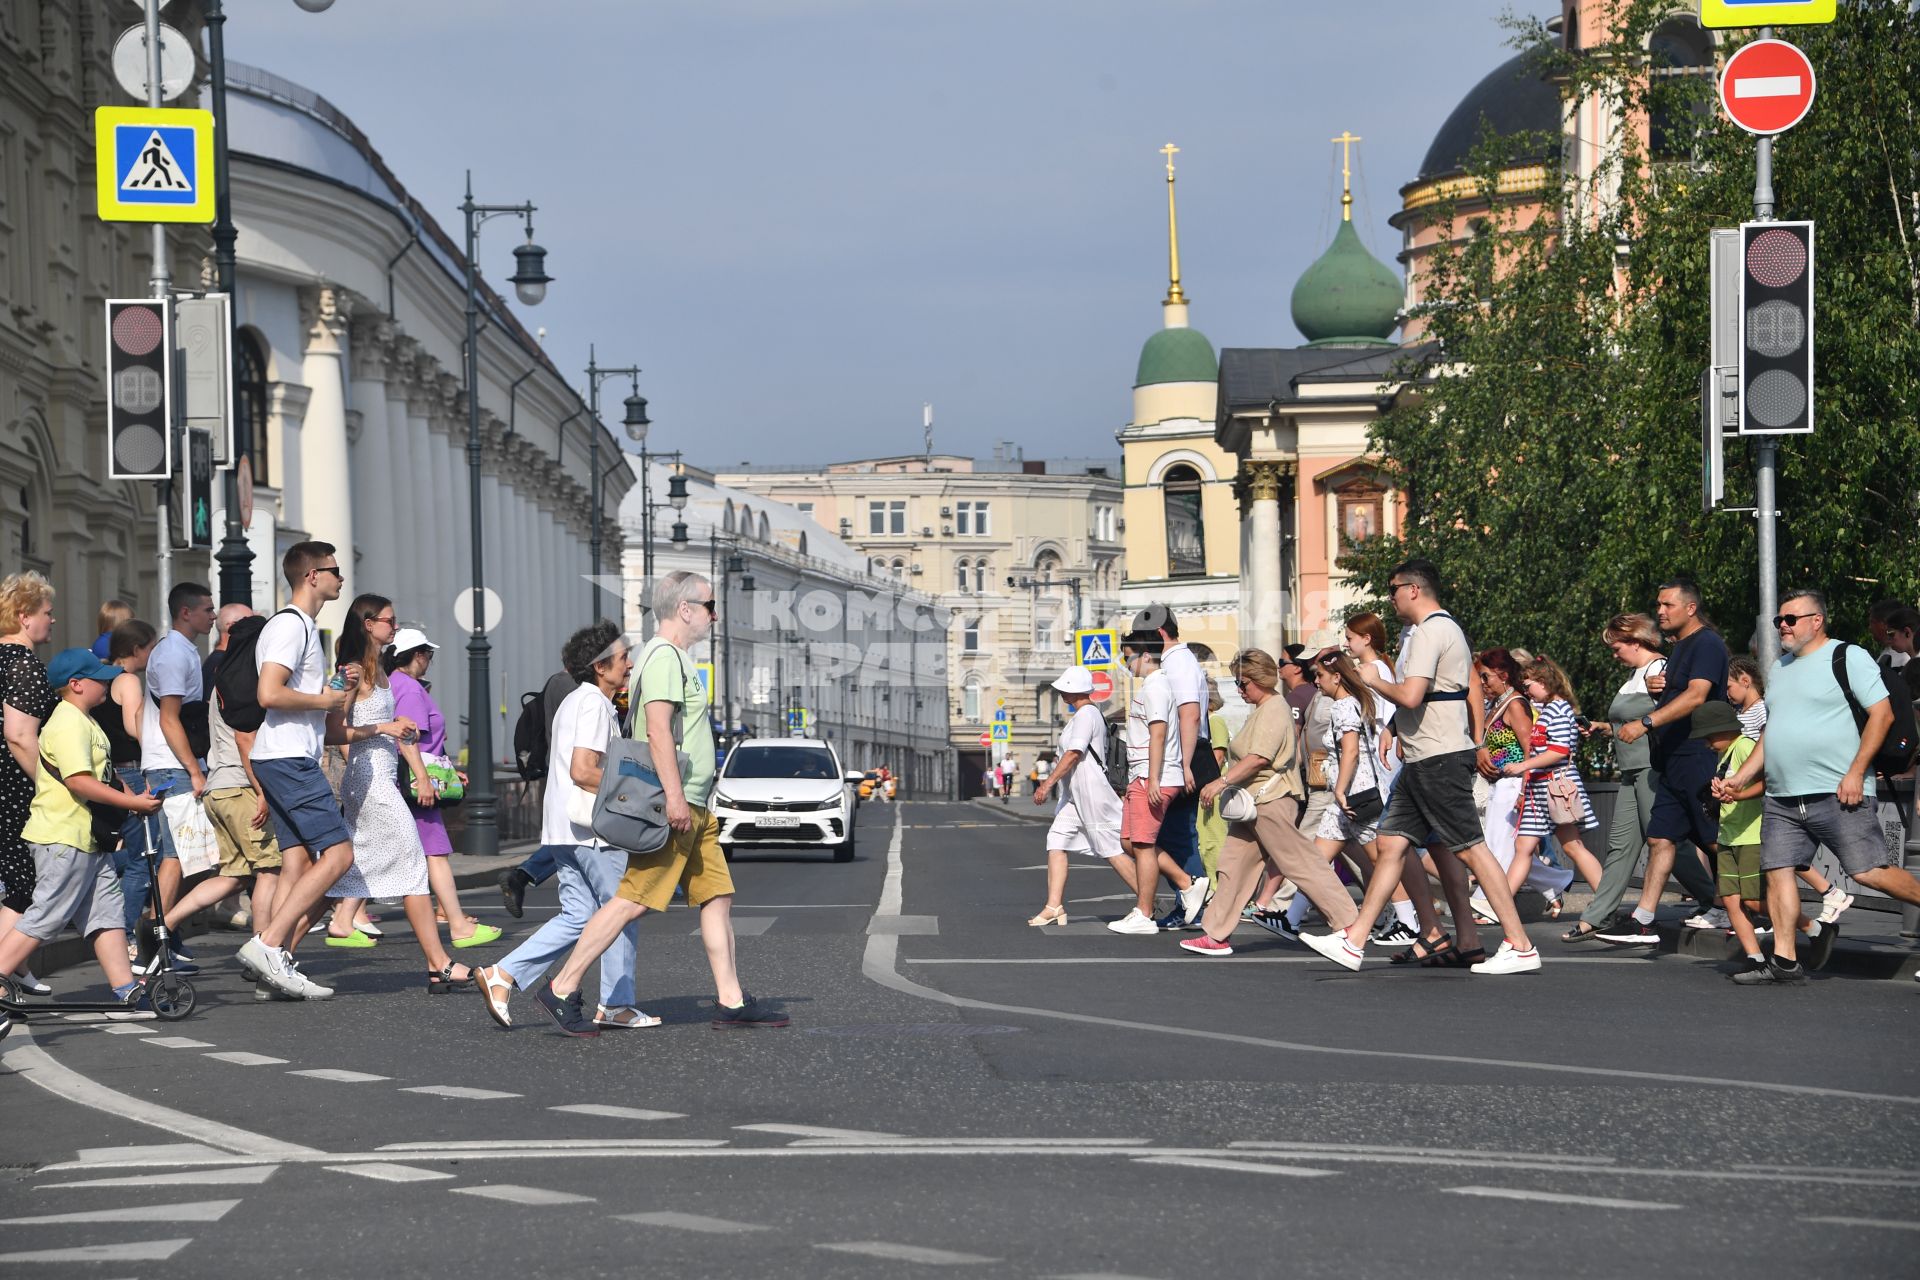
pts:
pixel 1701 656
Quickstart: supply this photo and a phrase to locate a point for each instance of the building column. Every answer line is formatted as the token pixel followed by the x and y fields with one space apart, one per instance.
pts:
pixel 420 523
pixel 408 578
pixel 326 476
pixel 375 506
pixel 436 487
pixel 460 558
pixel 1263 522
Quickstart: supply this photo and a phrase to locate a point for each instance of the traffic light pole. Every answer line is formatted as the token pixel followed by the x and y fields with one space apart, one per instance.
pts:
pixel 235 557
pixel 1766 454
pixel 161 279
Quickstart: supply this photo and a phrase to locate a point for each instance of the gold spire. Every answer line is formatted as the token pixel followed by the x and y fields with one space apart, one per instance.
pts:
pixel 1174 298
pixel 1346 141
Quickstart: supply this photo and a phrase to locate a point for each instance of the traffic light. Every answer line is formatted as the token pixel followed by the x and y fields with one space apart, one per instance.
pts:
pixel 139 389
pixel 1776 328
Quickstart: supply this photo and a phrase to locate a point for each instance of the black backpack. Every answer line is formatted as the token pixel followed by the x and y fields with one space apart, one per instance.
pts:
pixel 238 683
pixel 1902 744
pixel 530 741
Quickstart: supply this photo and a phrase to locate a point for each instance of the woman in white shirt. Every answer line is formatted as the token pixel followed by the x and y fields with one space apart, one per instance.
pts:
pixel 589 870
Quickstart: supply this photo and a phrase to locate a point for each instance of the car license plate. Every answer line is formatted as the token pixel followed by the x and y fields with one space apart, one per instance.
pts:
pixel 776 820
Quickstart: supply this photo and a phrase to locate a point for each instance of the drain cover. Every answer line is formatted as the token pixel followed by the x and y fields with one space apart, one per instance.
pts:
pixel 927 1030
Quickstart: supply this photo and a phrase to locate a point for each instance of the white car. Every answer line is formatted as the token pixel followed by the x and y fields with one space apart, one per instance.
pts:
pixel 779 792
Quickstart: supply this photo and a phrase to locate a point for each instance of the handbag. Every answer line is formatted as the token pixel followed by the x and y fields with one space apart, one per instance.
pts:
pixel 1563 798
pixel 1365 807
pixel 630 806
pixel 447 786
pixel 1236 804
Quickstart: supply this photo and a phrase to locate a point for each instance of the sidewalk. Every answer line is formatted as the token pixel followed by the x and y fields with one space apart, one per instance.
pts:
pixel 469 872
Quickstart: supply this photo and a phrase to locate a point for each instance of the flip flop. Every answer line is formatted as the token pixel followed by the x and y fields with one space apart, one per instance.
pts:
pixel 356 940
pixel 482 934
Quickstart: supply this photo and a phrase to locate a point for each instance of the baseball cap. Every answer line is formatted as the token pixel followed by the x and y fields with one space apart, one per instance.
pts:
pixel 1294 655
pixel 1710 718
pixel 1075 680
pixel 407 638
pixel 77 664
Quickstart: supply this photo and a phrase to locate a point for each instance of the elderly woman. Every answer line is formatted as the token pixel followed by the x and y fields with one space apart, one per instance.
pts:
pixel 1264 758
pixel 26 620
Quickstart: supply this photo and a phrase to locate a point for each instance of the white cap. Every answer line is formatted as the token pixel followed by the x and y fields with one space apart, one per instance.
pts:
pixel 1075 680
pixel 410 638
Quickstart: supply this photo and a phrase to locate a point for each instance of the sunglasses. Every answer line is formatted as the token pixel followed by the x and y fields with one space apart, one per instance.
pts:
pixel 333 569
pixel 1791 619
pixel 711 606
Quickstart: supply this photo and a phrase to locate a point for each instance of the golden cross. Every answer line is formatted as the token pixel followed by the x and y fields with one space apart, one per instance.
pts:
pixel 1169 151
pixel 1175 297
pixel 1346 141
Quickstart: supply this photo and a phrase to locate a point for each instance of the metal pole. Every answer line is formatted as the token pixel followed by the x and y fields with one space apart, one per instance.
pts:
pixel 593 465
pixel 646 520
pixel 1766 454
pixel 161 281
pixel 483 833
pixel 235 557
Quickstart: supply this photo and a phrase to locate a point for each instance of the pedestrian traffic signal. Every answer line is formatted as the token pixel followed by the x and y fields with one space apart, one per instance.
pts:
pixel 139 389
pixel 1776 328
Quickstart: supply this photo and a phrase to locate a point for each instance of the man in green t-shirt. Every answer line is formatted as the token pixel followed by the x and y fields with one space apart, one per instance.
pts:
pixel 671 713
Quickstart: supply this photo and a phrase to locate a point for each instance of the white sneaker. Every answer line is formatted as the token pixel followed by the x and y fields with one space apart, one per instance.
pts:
pixel 1193 898
pixel 1335 947
pixel 1507 960
pixel 1483 912
pixel 1714 919
pixel 309 989
pixel 255 958
pixel 1833 903
pixel 1134 922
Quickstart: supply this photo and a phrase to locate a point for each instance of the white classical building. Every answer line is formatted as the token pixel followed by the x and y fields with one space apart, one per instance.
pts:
pixel 350 307
pixel 823 640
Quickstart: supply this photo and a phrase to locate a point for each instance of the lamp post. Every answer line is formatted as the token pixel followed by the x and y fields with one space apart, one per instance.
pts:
pixel 529 280
pixel 636 423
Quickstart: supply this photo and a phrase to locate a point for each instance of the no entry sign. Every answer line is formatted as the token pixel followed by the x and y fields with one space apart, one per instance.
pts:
pixel 1767 87
pixel 1102 686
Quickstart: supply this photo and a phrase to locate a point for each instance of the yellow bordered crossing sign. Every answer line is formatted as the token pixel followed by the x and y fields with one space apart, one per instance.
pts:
pixel 1097 650
pixel 1766 13
pixel 153 164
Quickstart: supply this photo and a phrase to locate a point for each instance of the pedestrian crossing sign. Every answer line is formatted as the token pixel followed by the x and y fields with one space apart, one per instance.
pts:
pixel 1002 731
pixel 1096 650
pixel 153 164
pixel 703 672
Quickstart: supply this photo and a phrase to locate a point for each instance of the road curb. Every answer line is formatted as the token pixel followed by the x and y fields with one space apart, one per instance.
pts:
pixel 1865 957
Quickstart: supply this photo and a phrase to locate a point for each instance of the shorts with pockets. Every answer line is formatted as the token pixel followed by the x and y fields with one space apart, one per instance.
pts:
pixel 1739 874
pixel 1791 829
pixel 1432 800
pixel 1683 803
pixel 73 888
pixel 244 848
pixel 1139 824
pixel 305 814
pixel 690 859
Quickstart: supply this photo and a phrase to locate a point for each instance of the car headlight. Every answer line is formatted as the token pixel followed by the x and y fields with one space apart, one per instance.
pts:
pixel 720 799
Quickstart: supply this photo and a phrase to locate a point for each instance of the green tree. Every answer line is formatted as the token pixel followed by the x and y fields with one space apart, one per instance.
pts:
pixel 1549 444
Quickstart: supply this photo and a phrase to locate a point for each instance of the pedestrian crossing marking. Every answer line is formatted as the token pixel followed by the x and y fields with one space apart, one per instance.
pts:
pixel 1095 649
pixel 155 167
pixel 153 164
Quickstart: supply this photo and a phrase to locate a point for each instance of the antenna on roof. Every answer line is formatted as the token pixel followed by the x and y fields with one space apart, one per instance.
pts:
pixel 926 419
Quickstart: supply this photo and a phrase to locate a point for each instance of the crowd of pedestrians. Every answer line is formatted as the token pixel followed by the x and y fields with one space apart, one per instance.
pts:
pixel 1437 763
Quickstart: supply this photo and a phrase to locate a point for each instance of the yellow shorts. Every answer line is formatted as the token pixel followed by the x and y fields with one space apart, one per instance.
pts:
pixel 244 848
pixel 690 859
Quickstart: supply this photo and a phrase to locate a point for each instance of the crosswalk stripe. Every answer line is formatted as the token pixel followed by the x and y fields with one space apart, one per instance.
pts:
pixel 750 926
pixel 195 1211
pixel 909 1253
pixel 246 1174
pixel 384 1172
pixel 337 1075
pixel 1548 1197
pixel 134 1251
pixel 812 1131
pixel 240 1059
pixel 178 1042
pixel 689 1222
pixel 522 1195
pixel 458 1091
pixel 617 1113
pixel 156 1153
pixel 1236 1166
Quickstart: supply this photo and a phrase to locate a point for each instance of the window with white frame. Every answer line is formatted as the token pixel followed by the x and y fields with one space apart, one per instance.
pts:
pixel 972 519
pixel 962 582
pixel 897 516
pixel 899 568
pixel 970 702
pixel 1045 631
pixel 876 517
pixel 970 636
pixel 980 577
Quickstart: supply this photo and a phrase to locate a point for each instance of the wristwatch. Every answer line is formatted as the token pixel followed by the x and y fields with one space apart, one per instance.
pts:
pixel 1646 722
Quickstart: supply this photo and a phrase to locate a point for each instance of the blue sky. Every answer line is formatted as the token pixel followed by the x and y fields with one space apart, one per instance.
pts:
pixel 803 218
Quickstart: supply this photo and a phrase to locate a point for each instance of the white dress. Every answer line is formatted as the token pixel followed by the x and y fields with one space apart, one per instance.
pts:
pixel 388 859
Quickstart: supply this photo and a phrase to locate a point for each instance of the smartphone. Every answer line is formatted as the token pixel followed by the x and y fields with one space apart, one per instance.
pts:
pixel 163 790
pixel 1582 723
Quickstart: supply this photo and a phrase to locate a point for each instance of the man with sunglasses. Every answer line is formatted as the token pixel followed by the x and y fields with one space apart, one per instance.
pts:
pixel 1820 786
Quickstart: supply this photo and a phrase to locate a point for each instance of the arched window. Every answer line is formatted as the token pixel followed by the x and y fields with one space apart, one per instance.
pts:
pixel 960 579
pixel 1680 57
pixel 980 576
pixel 762 534
pixel 726 518
pixel 1046 565
pixel 899 568
pixel 1186 554
pixel 970 700
pixel 250 401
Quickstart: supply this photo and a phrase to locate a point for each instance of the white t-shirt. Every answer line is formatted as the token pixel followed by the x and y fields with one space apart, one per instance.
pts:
pixel 173 670
pixel 1189 682
pixel 1085 732
pixel 1346 718
pixel 291 639
pixel 1153 699
pixel 585 719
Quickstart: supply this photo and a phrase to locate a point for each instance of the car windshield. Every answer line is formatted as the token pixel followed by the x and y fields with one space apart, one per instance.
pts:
pixel 808 763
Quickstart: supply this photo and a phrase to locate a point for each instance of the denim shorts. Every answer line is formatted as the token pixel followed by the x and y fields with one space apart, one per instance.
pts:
pixel 1791 830
pixel 301 804
pixel 1432 799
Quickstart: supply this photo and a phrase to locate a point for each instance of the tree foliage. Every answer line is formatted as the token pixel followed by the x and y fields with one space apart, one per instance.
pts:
pixel 1549 448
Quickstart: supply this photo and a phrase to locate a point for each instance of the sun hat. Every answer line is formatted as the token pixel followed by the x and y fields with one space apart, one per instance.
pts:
pixel 409 638
pixel 1075 680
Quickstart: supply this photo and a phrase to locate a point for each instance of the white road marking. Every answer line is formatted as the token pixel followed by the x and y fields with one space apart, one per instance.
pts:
pixel 796 906
pixel 1097 1275
pixel 1829 1168
pixel 555 1144
pixel 126 1029
pixel 459 1091
pixel 136 1251
pixel 522 1195
pixel 248 1175
pixel 1237 1166
pixel 1866 1222
pixel 153 1153
pixel 387 1172
pixel 1186 960
pixel 813 1131
pixel 178 1042
pixel 1335 1148
pixel 617 1113
pixel 240 1059
pixel 1070 866
pixel 909 1253
pixel 339 1076
pixel 882 960
pixel 1548 1197
pixel 690 1222
pixel 974 1142
pixel 118 1015
pixel 197 1211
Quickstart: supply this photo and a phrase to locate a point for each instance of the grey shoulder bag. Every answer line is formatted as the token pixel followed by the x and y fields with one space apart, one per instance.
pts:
pixel 630 809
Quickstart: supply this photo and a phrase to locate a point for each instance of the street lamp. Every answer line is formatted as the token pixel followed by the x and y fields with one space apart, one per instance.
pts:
pixel 530 280
pixel 595 376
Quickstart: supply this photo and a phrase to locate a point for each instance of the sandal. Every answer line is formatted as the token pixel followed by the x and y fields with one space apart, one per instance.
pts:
pixel 496 989
pixel 1579 933
pixel 440 983
pixel 1050 915
pixel 482 935
pixel 624 1018
pixel 1555 904
pixel 1424 950
pixel 1455 958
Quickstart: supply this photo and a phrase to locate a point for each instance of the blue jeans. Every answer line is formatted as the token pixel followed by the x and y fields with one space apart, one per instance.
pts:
pixel 588 878
pixel 181 785
pixel 129 859
pixel 540 864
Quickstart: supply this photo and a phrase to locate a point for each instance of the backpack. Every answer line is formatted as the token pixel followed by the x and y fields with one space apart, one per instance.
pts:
pixel 1114 762
pixel 530 741
pixel 238 683
pixel 1902 744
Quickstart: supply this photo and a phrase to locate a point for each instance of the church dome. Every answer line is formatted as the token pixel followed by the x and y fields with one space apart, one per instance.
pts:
pixel 1177 355
pixel 1347 298
pixel 1513 98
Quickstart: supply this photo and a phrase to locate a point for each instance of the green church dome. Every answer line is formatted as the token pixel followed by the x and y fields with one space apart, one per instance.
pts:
pixel 1347 298
pixel 1177 355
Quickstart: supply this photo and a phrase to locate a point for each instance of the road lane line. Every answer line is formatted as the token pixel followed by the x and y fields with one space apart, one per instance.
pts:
pixel 1548 1197
pixel 339 1076
pixel 1866 1222
pixel 1829 1168
pixel 1235 963
pixel 522 1195
pixel 690 1222
pixel 616 1113
pixel 1238 1166
pixel 239 1059
pixel 136 1251
pixel 909 1253
pixel 459 1091
pixel 152 1154
pixel 241 1175
pixel 1457 1153
pixel 814 1131
pixel 196 1211
pixel 385 1171
pixel 977 1142
pixel 553 1144
pixel 881 964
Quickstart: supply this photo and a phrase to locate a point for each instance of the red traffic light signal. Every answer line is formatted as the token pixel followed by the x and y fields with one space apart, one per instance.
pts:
pixel 1776 328
pixel 139 389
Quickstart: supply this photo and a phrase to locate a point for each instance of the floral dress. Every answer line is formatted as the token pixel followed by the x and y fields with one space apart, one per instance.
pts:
pixel 23 687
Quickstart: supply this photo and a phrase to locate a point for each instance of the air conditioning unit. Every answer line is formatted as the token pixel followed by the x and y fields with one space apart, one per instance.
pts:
pixel 945 512
pixel 917 571
pixel 946 531
pixel 926 531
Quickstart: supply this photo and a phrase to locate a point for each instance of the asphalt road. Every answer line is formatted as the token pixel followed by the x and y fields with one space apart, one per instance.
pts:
pixel 958 1090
